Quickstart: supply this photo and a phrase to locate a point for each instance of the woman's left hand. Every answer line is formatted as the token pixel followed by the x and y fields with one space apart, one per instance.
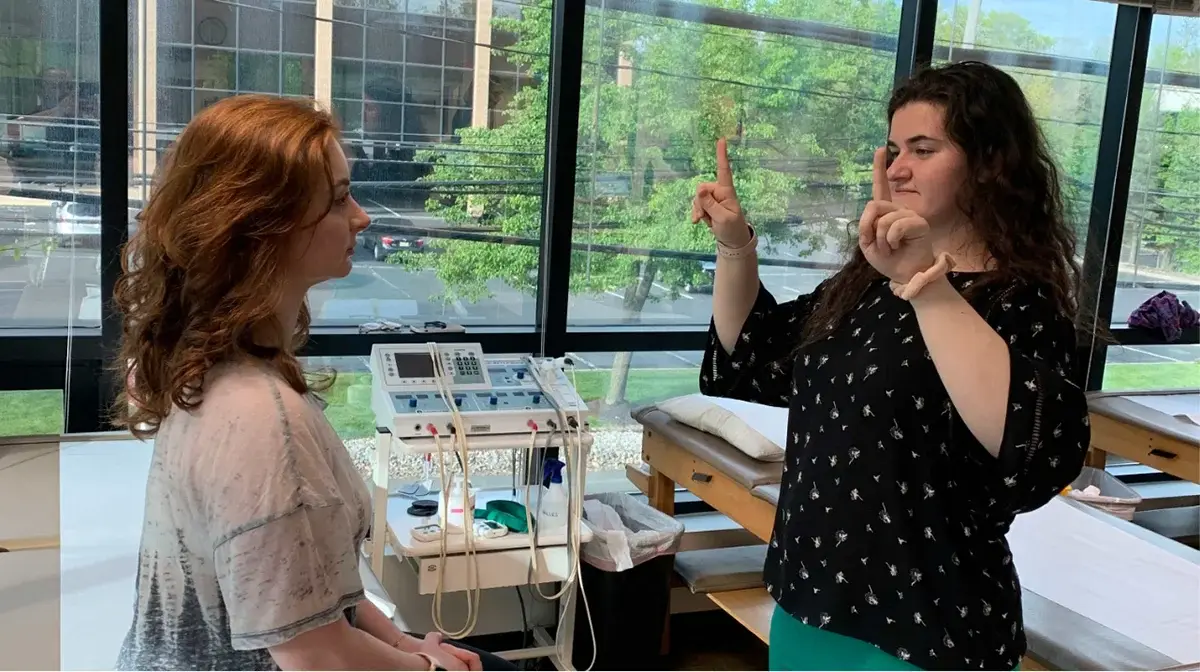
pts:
pixel 468 658
pixel 894 239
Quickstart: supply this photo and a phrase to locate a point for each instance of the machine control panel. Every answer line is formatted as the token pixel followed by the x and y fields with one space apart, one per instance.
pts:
pixel 407 366
pixel 493 394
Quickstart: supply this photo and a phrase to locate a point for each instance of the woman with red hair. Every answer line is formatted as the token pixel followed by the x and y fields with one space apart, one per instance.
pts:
pixel 255 513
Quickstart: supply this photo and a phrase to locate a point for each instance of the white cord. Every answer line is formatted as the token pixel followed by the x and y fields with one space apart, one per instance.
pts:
pixel 460 439
pixel 575 497
pixel 582 492
pixel 530 529
pixel 574 503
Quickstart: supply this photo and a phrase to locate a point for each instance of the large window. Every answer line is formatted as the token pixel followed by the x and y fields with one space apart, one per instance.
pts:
pixel 1161 247
pixel 1058 52
pixel 425 92
pixel 49 150
pixel 799 93
pixel 444 106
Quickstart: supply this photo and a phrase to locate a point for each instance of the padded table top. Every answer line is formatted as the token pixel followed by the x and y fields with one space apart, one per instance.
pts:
pixel 1068 640
pixel 1166 412
pixel 712 449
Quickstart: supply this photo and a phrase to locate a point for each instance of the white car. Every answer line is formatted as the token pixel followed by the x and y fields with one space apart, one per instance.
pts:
pixel 77 224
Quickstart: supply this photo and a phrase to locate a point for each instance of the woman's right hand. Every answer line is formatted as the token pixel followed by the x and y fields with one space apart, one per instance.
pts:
pixel 717 205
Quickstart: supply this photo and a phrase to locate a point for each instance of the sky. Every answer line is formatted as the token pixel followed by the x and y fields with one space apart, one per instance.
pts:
pixel 1078 27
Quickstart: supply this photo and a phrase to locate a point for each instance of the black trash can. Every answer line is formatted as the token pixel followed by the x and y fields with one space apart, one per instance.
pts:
pixel 626 575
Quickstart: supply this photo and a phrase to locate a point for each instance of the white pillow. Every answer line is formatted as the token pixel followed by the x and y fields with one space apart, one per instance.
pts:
pixel 758 431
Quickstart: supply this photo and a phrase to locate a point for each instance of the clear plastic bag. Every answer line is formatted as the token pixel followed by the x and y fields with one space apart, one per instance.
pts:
pixel 1113 497
pixel 626 532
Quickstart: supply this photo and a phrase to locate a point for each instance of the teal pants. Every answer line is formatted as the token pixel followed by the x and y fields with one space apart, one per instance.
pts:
pixel 796 646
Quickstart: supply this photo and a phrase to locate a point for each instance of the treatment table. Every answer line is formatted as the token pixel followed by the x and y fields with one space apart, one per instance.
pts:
pixel 1160 429
pixel 1060 638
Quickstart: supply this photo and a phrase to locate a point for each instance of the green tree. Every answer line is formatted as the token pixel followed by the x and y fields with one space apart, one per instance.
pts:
pixel 655 95
pixel 803 116
pixel 1164 200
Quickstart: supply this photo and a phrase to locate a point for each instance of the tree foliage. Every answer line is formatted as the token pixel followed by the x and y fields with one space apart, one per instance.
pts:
pixel 802 115
pixel 655 95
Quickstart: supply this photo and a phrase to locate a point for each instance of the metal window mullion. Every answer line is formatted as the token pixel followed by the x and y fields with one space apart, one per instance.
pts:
pixel 914 44
pixel 562 131
pixel 91 393
pixel 1110 196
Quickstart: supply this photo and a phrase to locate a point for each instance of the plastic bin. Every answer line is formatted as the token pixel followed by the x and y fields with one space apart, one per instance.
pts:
pixel 1115 497
pixel 626 576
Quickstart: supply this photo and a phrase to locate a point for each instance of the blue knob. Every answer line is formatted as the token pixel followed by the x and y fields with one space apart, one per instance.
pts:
pixel 492 400
pixel 521 375
pixel 537 398
pixel 412 403
pixel 458 401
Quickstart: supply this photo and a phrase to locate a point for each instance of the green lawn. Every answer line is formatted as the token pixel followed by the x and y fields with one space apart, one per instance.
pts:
pixel 31 413
pixel 643 386
pixel 351 417
pixel 40 412
pixel 1157 376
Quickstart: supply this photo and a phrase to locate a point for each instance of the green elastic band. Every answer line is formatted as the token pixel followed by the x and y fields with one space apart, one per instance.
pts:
pixel 508 514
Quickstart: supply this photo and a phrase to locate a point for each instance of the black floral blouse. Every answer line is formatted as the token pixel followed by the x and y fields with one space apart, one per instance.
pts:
pixel 891 520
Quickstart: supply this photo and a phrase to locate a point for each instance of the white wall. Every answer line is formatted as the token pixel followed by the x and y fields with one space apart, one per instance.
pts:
pixel 29 580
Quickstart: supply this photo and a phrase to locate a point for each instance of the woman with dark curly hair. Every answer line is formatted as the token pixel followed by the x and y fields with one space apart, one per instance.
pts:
pixel 929 386
pixel 255 514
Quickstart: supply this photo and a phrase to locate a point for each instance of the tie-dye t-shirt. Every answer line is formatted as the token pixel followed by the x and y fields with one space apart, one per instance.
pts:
pixel 254 518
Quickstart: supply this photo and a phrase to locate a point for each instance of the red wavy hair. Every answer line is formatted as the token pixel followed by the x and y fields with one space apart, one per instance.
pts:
pixel 205 270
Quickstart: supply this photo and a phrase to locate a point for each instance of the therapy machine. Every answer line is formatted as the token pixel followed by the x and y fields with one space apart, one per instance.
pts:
pixel 494 396
pixel 444 401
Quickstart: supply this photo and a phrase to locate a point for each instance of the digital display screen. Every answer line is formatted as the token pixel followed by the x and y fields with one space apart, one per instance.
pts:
pixel 413 365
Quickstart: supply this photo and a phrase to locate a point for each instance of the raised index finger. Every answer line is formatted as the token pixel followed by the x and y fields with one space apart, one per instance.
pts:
pixel 724 174
pixel 880 190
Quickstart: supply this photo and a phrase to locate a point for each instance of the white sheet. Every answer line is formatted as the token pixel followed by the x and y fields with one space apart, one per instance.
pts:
pixel 1112 577
pixel 1184 407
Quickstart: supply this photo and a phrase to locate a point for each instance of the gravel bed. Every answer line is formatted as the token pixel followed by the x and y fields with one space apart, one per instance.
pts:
pixel 611 450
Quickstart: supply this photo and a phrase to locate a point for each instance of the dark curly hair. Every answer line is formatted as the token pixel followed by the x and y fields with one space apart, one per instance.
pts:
pixel 1013 196
pixel 202 273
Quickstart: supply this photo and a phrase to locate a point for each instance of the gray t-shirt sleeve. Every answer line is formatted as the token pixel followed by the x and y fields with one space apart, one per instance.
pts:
pixel 288 575
pixel 284 546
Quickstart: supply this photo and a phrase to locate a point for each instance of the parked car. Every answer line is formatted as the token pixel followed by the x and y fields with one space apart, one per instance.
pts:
pixel 60 143
pixel 77 224
pixel 383 243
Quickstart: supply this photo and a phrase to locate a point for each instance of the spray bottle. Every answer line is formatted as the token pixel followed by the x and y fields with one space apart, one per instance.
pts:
pixel 552 514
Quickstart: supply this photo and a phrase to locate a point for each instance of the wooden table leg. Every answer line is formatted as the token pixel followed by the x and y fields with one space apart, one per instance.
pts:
pixel 662 497
pixel 662 492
